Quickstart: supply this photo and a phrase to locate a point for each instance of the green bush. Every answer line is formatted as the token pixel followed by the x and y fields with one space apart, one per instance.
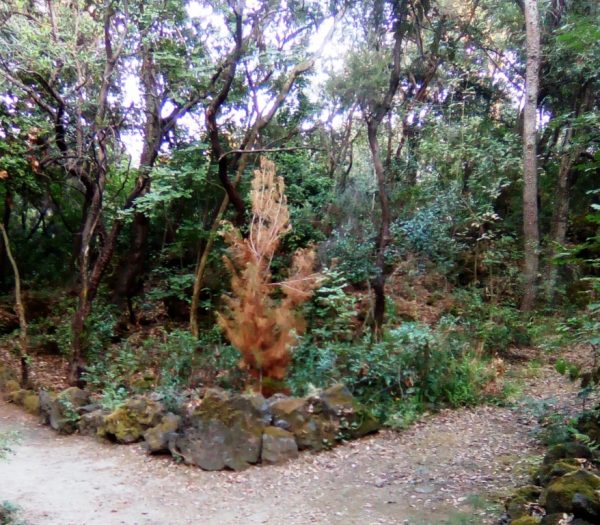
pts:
pixel 412 364
pixel 168 364
pixel 9 514
pixel 331 312
pixel 353 255
pixel 497 326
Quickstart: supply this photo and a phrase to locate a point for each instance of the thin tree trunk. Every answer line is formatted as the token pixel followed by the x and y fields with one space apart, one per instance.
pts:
pixel 378 282
pixel 240 162
pixel 201 267
pixel 8 202
pixel 531 235
pixel 20 308
pixel 374 112
pixel 131 267
pixel 560 218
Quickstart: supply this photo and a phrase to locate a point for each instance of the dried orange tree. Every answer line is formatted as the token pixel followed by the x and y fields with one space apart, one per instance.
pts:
pixel 261 317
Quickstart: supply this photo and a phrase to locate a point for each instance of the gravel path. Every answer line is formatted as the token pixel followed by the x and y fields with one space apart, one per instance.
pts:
pixel 449 468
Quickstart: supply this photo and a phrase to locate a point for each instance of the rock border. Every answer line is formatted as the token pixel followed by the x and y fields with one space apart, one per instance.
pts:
pixel 565 489
pixel 223 430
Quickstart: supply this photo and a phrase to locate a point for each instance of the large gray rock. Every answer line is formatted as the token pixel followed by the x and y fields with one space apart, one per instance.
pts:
pixel 278 446
pixel 62 411
pixel 224 431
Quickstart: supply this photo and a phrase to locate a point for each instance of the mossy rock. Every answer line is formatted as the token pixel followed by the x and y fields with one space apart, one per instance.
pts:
pixel 156 439
pixel 305 418
pixel 278 446
pixel 11 385
pixel 517 506
pixel 227 407
pixel 526 520
pixel 546 473
pixel 224 431
pixel 576 493
pixel 567 450
pixel 62 411
pixel 128 423
pixel 31 403
pixel 354 420
pixel 589 424
pixel 529 492
pixel 90 423
pixel 6 374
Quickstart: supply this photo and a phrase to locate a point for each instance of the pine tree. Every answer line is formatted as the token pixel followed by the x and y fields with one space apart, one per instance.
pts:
pixel 261 322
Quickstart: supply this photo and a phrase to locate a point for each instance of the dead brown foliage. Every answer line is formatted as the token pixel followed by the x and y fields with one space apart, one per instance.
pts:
pixel 260 318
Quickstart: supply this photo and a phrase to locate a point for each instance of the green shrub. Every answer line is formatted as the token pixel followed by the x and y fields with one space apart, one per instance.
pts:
pixel 497 326
pixel 9 514
pixel 168 363
pixel 331 313
pixel 354 256
pixel 7 439
pixel 413 364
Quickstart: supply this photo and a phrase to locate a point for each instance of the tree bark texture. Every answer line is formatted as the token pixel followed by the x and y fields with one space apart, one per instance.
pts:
pixel 383 236
pixel 531 235
pixel 375 111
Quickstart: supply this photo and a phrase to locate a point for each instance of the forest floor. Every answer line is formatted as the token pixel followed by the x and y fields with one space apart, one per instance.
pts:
pixel 451 467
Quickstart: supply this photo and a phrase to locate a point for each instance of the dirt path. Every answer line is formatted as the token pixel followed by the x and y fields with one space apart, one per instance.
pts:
pixel 449 468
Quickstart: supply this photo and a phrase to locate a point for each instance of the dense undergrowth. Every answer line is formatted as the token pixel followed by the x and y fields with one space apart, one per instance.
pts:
pixel 443 345
pixel 415 367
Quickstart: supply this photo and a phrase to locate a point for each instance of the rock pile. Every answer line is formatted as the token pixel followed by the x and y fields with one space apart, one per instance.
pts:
pixel 566 489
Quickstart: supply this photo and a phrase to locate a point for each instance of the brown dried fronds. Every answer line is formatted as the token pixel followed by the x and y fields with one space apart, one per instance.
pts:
pixel 260 326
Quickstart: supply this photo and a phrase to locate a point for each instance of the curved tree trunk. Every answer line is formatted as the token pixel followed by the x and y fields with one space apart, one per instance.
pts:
pixel 20 308
pixel 374 112
pixel 240 160
pixel 378 282
pixel 8 203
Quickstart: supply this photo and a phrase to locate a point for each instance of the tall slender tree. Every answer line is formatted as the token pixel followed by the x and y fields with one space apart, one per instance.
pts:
pixel 531 234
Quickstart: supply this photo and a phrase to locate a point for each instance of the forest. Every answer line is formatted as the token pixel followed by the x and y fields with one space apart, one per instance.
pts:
pixel 391 206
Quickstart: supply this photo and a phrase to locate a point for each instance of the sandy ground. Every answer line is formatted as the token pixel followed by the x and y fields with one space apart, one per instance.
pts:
pixel 452 467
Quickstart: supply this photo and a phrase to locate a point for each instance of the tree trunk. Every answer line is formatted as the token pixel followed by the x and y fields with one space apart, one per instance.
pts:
pixel 531 235
pixel 374 112
pixel 131 268
pixel 91 274
pixel 378 282
pixel 20 308
pixel 560 218
pixel 8 203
